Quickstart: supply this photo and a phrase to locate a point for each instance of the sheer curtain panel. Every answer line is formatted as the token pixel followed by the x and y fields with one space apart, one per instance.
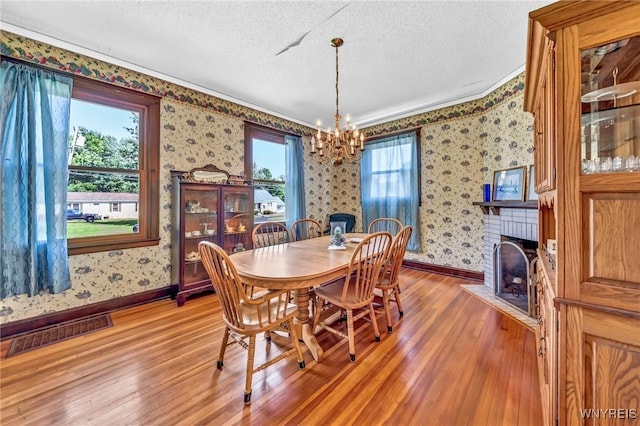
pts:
pixel 390 186
pixel 294 180
pixel 33 179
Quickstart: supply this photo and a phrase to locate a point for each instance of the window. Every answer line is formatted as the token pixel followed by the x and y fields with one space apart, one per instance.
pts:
pixel 265 163
pixel 390 181
pixel 387 174
pixel 113 154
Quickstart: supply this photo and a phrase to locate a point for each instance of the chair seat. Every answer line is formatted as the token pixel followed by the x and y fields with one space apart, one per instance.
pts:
pixel 385 283
pixel 257 318
pixel 332 292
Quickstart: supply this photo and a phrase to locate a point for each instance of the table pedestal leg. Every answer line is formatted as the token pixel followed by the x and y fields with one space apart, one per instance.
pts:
pixel 303 324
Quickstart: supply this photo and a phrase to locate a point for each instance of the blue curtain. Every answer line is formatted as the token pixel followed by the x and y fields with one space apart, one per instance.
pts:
pixel 389 179
pixel 34 122
pixel 294 180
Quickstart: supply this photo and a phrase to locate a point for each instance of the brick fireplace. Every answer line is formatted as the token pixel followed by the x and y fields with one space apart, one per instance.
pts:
pixel 506 223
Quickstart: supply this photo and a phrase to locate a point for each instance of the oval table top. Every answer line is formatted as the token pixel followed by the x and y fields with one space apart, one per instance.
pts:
pixel 299 264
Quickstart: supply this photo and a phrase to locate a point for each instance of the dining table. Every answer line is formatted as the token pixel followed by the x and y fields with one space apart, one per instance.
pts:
pixel 300 266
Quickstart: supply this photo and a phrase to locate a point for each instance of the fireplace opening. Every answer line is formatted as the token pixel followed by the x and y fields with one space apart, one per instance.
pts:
pixel 513 277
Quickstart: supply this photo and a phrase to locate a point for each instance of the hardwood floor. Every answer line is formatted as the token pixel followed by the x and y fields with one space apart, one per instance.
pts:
pixel 452 360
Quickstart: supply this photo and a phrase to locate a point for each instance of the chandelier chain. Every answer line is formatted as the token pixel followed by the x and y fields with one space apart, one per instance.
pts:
pixel 337 97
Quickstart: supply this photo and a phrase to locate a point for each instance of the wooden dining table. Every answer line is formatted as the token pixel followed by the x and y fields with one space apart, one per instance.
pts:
pixel 299 266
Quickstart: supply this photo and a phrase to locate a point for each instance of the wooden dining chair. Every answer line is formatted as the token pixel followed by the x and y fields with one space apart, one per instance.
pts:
pixel 385 224
pixel 389 283
pixel 267 234
pixel 355 291
pixel 244 316
pixel 303 229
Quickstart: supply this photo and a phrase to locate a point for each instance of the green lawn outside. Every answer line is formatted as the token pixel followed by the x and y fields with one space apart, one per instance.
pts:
pixel 276 217
pixel 80 228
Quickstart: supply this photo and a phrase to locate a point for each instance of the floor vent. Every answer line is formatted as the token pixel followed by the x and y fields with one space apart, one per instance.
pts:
pixel 57 333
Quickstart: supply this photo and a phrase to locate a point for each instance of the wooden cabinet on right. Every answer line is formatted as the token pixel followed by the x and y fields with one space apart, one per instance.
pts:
pixel 583 87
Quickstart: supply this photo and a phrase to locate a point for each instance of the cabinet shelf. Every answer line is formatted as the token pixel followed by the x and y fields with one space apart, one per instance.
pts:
pixel 614 115
pixel 618 91
pixel 200 237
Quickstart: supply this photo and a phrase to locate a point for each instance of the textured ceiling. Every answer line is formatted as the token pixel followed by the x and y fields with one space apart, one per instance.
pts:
pixel 399 57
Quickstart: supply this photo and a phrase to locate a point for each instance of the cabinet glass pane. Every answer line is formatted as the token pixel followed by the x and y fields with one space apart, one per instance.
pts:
pixel 200 213
pixel 610 122
pixel 238 211
pixel 200 209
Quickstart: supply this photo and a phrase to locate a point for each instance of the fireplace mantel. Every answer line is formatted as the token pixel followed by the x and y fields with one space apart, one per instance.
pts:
pixel 495 206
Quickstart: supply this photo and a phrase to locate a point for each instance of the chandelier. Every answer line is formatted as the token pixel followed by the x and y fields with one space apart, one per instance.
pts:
pixel 339 144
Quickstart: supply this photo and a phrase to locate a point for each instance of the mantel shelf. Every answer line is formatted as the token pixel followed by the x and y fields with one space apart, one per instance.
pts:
pixel 495 206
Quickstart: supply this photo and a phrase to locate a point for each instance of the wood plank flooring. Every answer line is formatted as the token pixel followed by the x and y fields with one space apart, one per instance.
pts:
pixel 452 360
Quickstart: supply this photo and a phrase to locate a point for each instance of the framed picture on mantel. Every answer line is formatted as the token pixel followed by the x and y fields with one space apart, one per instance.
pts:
pixel 508 184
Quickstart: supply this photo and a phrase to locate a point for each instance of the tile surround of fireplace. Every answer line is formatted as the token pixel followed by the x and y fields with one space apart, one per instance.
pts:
pixel 518 223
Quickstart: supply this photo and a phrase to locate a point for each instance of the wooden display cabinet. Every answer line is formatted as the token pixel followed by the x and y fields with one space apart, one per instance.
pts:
pixel 583 86
pixel 206 211
pixel 544 141
pixel 547 335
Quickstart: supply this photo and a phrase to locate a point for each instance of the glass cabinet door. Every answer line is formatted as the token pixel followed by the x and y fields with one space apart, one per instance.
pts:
pixel 203 211
pixel 200 213
pixel 238 215
pixel 610 99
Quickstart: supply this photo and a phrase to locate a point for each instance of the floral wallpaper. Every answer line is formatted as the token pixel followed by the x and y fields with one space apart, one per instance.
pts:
pixel 196 129
pixel 461 146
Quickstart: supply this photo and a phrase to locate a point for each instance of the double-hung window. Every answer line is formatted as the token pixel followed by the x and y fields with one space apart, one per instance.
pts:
pixel 390 182
pixel 113 167
pixel 275 162
pixel 265 163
